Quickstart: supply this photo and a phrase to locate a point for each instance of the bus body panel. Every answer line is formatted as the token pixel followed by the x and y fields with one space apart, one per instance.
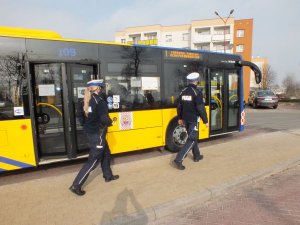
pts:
pixel 203 130
pixel 16 144
pixel 135 130
pixel 133 140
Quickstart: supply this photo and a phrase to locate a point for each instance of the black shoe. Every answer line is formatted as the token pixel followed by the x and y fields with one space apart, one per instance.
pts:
pixel 198 158
pixel 77 191
pixel 179 165
pixel 113 177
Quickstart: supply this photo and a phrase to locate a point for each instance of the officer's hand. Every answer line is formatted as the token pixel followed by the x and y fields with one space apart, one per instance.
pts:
pixel 180 122
pixel 207 125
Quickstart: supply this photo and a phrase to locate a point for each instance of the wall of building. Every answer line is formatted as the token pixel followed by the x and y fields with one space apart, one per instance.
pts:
pixel 246 41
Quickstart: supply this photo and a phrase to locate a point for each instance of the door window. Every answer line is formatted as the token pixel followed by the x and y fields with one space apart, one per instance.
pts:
pixel 233 100
pixel 49 108
pixel 79 76
pixel 217 87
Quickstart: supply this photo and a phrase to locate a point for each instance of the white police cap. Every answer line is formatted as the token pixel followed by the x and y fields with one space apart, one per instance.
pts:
pixel 193 76
pixel 96 83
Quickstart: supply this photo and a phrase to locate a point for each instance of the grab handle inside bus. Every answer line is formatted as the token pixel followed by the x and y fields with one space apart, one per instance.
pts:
pixel 254 68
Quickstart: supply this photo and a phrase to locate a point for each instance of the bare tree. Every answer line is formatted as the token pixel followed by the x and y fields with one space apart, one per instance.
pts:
pixel 291 85
pixel 12 73
pixel 269 78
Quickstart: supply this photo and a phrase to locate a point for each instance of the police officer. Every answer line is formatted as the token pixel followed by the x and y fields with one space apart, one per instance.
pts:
pixel 190 107
pixel 95 123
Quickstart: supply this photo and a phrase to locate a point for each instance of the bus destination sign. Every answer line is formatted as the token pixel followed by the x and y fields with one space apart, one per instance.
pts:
pixel 182 55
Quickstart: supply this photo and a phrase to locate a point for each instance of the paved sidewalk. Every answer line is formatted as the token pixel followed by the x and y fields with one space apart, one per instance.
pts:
pixel 274 200
pixel 149 189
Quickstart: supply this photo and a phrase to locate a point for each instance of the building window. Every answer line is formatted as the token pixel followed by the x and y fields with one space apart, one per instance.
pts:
pixel 186 37
pixel 240 33
pixel 205 47
pixel 240 48
pixel 169 38
pixel 151 36
pixel 123 40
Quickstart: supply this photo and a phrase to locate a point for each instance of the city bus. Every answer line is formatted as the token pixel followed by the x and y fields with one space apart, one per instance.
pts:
pixel 43 78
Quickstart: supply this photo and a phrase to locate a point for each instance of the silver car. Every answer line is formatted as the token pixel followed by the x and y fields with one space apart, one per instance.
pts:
pixel 264 98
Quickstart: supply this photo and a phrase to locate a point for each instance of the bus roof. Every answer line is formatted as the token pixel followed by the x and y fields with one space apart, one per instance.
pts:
pixel 52 35
pixel 44 35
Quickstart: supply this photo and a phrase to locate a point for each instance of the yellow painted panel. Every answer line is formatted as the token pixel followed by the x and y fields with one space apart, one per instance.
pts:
pixel 5 166
pixel 204 131
pixel 24 32
pixel 143 129
pixel 131 140
pixel 135 120
pixel 19 148
pixel 3 138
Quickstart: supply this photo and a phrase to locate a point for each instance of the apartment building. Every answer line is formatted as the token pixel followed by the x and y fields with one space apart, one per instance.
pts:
pixel 210 35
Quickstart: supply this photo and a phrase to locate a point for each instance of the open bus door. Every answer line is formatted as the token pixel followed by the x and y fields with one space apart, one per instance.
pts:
pixel 224 96
pixel 227 97
pixel 56 89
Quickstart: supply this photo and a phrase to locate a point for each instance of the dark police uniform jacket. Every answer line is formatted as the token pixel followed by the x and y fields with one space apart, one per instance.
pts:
pixel 190 105
pixel 98 117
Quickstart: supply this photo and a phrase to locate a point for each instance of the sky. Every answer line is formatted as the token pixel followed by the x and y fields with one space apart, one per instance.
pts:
pixel 276 31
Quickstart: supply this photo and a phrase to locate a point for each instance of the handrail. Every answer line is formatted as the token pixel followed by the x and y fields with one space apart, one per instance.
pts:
pixel 51 106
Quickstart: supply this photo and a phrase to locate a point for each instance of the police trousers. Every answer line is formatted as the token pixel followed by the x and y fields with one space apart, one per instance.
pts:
pixel 99 154
pixel 191 142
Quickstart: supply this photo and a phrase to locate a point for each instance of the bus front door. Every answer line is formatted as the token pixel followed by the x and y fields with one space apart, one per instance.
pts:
pixel 57 88
pixel 49 108
pixel 224 107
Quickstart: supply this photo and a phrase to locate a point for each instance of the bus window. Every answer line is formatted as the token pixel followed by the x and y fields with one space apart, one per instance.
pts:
pixel 13 88
pixel 129 93
pixel 177 72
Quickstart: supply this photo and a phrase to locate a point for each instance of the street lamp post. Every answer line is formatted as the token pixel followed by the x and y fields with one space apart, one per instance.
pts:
pixel 225 22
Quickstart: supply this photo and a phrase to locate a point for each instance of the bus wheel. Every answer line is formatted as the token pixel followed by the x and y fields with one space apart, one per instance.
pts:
pixel 176 136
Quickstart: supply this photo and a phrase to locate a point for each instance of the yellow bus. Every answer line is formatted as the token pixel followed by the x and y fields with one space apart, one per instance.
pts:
pixel 43 76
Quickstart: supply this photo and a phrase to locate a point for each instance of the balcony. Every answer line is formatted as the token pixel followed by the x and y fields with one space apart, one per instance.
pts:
pixel 220 37
pixel 144 42
pixel 202 38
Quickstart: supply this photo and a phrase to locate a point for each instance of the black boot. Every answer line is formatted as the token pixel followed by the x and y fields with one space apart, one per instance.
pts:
pixel 197 159
pixel 179 165
pixel 113 177
pixel 77 190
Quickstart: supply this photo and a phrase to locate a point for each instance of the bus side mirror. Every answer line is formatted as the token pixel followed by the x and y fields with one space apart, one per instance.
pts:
pixel 257 77
pixel 253 67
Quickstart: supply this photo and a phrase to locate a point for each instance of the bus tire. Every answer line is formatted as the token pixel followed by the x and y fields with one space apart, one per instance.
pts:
pixel 175 137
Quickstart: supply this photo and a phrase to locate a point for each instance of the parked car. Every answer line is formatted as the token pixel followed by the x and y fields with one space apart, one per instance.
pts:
pixel 264 98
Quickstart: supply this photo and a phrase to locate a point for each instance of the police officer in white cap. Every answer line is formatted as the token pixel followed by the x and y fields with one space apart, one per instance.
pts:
pixel 95 123
pixel 190 107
